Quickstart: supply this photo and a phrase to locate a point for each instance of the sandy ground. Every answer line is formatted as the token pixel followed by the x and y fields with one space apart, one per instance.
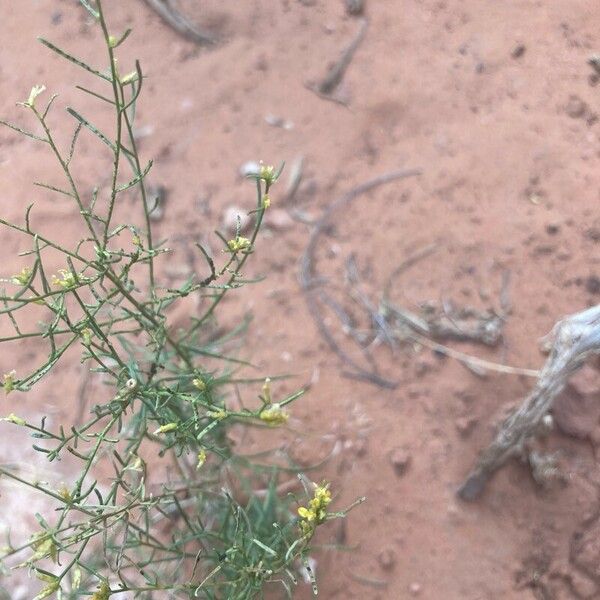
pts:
pixel 494 102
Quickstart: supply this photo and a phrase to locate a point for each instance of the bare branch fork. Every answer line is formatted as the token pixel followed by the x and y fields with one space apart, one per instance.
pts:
pixel 573 339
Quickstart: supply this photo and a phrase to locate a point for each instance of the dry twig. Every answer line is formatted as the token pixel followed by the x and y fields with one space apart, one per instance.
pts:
pixel 334 76
pixel 179 22
pixel 310 279
pixel 574 339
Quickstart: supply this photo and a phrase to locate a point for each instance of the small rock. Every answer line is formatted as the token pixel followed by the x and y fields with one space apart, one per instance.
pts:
pixel 576 108
pixel 594 62
pixel 414 588
pixel 361 447
pixel 552 228
pixel 592 284
pixel 250 167
pixel 422 367
pixel 276 121
pixel 355 7
pixel 279 219
pixel 518 51
pixel 261 63
pixel 465 425
pixel 387 559
pixel 230 219
pixel 400 459
pixel 593 233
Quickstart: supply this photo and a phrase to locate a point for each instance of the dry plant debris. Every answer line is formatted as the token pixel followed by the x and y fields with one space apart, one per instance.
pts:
pixel 574 338
pixel 332 80
pixel 179 22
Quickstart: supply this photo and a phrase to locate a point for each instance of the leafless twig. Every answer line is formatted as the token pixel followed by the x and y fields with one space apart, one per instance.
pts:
pixel 179 22
pixel 334 76
pixel 310 280
pixel 574 339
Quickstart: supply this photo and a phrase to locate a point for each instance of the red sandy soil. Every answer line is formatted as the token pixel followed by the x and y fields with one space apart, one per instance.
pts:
pixel 493 101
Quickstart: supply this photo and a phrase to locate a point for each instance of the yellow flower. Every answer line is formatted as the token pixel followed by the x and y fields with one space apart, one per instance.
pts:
pixel 266 201
pixel 166 428
pixel 309 515
pixel 43 546
pixel 67 279
pixel 266 388
pixel 316 512
pixel 201 459
pixel 22 278
pixel 51 588
pixel 274 415
pixel 217 414
pixel 65 494
pixel 36 90
pixel 86 336
pixel 9 381
pixel 12 418
pixel 103 593
pixel 267 174
pixel 199 384
pixel 240 243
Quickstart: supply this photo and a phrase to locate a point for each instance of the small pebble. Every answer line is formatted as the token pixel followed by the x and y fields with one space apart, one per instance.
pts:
pixel 576 108
pixel 250 167
pixel 400 459
pixel 518 51
pixel 387 559
pixel 465 425
pixel 592 284
pixel 414 588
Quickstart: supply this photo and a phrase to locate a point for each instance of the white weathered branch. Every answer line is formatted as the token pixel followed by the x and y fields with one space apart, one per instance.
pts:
pixel 573 340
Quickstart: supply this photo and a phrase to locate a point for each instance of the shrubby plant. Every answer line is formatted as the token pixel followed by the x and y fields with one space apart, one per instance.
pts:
pixel 139 534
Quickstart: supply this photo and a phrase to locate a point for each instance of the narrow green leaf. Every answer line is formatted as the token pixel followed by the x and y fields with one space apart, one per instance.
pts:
pixel 75 61
pixel 92 128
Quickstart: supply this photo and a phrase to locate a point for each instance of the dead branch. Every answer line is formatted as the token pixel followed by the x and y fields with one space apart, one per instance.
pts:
pixel 179 22
pixel 574 339
pixel 310 280
pixel 336 73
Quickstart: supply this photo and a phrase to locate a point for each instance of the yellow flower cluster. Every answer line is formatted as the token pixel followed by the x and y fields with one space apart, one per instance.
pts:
pixel 9 381
pixel 68 279
pixel 316 512
pixel 240 243
pixel 201 458
pixel 12 418
pixel 43 546
pixel 103 593
pixel 53 584
pixel 274 415
pixel 268 174
pixel 199 384
pixel 166 428
pixel 23 277
pixel 217 414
